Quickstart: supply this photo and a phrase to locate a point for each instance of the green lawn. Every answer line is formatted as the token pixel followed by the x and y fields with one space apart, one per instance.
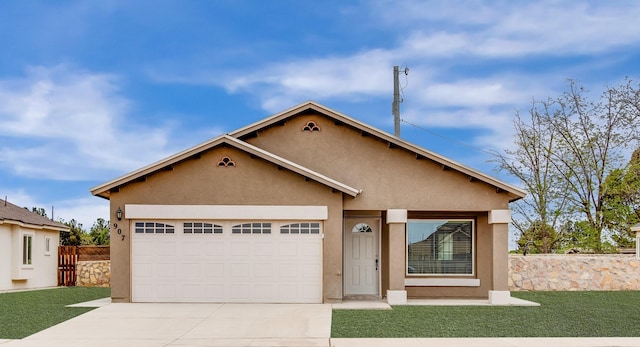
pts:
pixel 561 314
pixel 26 313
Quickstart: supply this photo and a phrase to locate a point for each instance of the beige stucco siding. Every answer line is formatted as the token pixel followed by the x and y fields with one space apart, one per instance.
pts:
pixel 252 181
pixel 44 269
pixel 391 178
pixel 388 177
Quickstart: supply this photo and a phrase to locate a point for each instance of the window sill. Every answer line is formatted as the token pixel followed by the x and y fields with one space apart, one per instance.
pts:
pixel 442 282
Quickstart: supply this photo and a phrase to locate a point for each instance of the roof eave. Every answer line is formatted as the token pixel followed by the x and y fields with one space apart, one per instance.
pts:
pixel 291 166
pixel 53 228
pixel 517 193
pixel 103 190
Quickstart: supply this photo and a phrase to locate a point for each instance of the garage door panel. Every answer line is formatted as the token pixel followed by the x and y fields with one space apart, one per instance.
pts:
pixel 309 250
pixel 240 292
pixel 166 248
pixel 309 271
pixel 192 249
pixel 263 271
pixel 263 249
pixel 227 267
pixel 240 249
pixel 215 292
pixel 166 270
pixel 193 292
pixel 144 248
pixel 214 270
pixel 288 248
pixel 166 291
pixel 215 248
pixel 190 271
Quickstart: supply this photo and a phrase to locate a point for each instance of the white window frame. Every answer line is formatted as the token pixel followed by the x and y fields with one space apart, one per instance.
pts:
pixel 27 259
pixel 154 227
pixel 47 245
pixel 473 248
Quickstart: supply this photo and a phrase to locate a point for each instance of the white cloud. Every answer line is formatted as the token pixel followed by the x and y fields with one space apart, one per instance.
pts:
pixel 340 78
pixel 512 28
pixel 65 124
pixel 456 52
pixel 83 210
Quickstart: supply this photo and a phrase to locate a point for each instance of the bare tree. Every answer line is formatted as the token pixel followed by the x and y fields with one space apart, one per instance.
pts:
pixel 564 154
pixel 593 136
pixel 537 216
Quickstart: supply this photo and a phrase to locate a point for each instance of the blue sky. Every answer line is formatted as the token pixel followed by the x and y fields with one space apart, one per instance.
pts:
pixel 90 90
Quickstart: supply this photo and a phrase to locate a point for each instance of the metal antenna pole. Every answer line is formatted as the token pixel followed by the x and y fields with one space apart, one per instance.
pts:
pixel 395 107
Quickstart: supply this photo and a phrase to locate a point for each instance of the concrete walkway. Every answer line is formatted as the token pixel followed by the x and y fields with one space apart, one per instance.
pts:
pixel 491 342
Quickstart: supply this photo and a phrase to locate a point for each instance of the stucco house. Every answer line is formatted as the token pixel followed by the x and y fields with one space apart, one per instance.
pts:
pixel 308 205
pixel 28 249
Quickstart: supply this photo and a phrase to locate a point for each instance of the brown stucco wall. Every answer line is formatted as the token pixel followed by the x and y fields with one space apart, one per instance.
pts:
pixel 394 178
pixel 389 177
pixel 253 181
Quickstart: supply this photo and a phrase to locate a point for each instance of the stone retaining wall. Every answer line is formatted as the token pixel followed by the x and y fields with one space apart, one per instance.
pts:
pixel 96 273
pixel 533 272
pixel 574 272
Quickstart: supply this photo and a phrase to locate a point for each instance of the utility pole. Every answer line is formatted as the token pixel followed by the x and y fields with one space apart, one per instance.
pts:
pixel 395 107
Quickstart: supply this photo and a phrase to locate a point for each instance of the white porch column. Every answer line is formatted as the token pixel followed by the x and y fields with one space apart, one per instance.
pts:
pixel 397 220
pixel 636 228
pixel 499 221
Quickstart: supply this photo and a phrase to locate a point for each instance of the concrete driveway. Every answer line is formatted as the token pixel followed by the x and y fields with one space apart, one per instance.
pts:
pixel 151 325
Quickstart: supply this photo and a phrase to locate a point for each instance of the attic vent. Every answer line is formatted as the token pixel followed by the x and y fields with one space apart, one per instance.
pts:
pixel 226 162
pixel 311 126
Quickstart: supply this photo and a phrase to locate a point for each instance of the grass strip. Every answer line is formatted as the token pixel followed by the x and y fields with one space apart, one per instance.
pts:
pixel 25 313
pixel 561 314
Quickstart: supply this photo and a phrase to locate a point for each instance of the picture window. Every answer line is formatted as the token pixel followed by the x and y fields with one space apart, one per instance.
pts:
pixel 440 247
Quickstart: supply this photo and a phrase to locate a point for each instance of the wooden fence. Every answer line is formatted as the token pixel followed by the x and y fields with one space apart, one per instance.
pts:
pixel 67 260
pixel 94 253
pixel 68 257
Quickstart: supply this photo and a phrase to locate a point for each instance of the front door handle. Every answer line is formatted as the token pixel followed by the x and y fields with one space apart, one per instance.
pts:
pixel 376 264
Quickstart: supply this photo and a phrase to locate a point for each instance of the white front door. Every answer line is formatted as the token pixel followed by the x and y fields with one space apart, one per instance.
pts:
pixel 362 258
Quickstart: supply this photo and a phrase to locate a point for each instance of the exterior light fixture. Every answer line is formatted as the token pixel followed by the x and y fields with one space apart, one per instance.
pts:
pixel 119 213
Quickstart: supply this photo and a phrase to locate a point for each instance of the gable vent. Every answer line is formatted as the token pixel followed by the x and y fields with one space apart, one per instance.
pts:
pixel 311 126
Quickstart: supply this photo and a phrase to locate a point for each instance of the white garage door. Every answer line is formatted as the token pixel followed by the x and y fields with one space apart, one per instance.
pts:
pixel 214 261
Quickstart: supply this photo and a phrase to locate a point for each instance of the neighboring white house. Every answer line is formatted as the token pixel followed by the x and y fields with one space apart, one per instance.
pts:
pixel 636 228
pixel 28 249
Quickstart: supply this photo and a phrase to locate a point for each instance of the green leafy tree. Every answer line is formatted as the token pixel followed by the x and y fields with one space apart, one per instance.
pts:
pixel 76 236
pixel 622 201
pixel 99 232
pixel 39 210
pixel 539 238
